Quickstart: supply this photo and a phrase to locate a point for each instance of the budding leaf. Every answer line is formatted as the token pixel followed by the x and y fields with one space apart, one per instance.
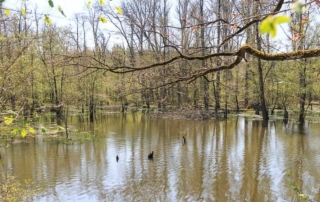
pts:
pixel 8 120
pixel 119 10
pixel 101 2
pixel 23 12
pixel 88 4
pixel 7 12
pixel 23 132
pixel 31 130
pixel 47 20
pixel 61 11
pixel 102 19
pixel 15 131
pixel 303 196
pixel 298 7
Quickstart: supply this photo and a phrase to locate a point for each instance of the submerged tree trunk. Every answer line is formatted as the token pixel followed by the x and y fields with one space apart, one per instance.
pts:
pixel 237 104
pixel 303 95
pixel 264 110
pixel 285 113
pixel 91 108
pixel 66 123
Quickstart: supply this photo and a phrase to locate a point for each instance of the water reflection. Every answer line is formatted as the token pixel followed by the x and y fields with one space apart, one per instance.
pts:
pixel 234 160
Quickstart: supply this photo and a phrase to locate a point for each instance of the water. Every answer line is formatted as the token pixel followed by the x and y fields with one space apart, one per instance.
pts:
pixel 234 160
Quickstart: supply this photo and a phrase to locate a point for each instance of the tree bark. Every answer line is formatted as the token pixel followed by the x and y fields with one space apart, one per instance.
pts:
pixel 264 110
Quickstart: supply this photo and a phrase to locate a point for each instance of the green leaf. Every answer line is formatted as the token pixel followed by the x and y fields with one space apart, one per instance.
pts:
pixel 269 25
pixel 8 120
pixel 281 19
pixel 88 4
pixel 102 19
pixel 119 10
pixel 47 20
pixel 15 131
pixel 23 132
pixel 51 3
pixel 1 1
pixel 7 12
pixel 31 130
pixel 266 25
pixel 273 30
pixel 43 130
pixel 23 12
pixel 101 2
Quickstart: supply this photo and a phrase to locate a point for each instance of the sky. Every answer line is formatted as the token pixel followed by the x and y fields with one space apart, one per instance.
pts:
pixel 71 7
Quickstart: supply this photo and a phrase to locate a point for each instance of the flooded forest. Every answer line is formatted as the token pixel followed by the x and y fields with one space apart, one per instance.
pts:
pixel 171 100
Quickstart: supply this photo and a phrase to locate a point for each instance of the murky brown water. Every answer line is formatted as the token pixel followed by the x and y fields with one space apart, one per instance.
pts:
pixel 234 160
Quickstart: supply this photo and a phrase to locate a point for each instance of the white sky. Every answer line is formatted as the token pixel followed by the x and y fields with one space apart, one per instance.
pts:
pixel 71 7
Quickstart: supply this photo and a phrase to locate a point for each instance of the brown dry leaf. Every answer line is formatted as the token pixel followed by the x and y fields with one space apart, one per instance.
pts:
pixel 305 20
pixel 193 27
pixel 296 37
pixel 234 26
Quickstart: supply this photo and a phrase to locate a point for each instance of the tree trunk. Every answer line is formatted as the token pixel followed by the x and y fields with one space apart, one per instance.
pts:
pixel 246 86
pixel 179 89
pixel 303 95
pixel 205 84
pixel 237 104
pixel 91 108
pixel 216 84
pixel 195 92
pixel 285 114
pixel 264 110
